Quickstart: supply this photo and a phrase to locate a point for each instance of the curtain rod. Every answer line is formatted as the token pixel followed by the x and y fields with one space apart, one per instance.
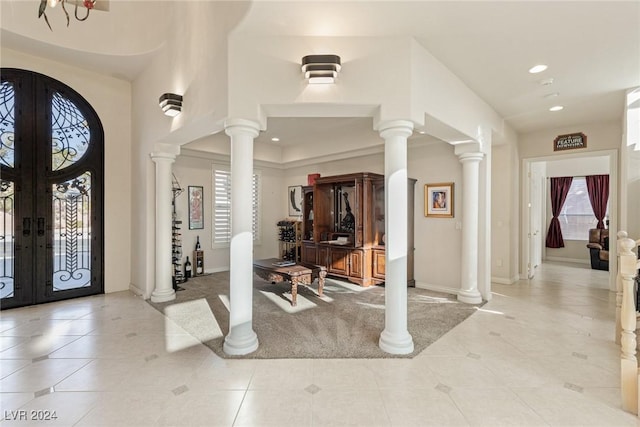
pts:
pixel 575 176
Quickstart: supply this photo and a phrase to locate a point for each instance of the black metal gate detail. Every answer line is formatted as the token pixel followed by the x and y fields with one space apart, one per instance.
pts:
pixel 72 233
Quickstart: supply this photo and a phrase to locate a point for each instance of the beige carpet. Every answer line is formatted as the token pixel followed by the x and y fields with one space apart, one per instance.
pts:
pixel 345 323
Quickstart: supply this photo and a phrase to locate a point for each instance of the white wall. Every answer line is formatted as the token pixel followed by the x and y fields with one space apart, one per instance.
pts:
pixel 362 80
pixel 504 213
pixel 193 63
pixel 578 167
pixel 437 241
pixel 421 85
pixel 601 138
pixel 573 251
pixel 111 98
pixel 633 193
pixel 630 166
pixel 222 76
pixel 195 168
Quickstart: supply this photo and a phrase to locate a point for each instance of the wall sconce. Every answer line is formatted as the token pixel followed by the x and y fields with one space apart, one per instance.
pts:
pixel 321 68
pixel 171 104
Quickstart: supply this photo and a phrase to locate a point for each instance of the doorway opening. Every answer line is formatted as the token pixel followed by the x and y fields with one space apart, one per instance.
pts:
pixel 51 191
pixel 536 210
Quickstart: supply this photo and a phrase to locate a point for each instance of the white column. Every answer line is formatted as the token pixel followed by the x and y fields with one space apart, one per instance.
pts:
pixel 241 338
pixel 163 280
pixel 395 337
pixel 470 175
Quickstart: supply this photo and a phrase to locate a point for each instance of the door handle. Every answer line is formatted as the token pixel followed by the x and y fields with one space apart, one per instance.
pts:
pixel 26 226
pixel 40 226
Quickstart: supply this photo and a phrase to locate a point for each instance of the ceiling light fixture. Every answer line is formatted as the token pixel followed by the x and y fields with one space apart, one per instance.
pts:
pixel 275 139
pixel 552 95
pixel 87 4
pixel 321 68
pixel 171 104
pixel 556 108
pixel 537 68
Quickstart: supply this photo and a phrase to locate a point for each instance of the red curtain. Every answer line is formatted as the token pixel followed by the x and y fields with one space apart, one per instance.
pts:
pixel 559 190
pixel 598 188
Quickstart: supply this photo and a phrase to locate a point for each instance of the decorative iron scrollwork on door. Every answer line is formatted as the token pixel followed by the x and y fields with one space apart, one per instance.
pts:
pixel 72 233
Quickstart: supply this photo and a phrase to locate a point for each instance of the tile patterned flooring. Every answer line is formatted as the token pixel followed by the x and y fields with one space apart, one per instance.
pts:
pixel 541 353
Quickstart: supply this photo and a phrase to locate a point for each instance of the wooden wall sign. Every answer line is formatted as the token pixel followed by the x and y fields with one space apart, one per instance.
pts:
pixel 570 141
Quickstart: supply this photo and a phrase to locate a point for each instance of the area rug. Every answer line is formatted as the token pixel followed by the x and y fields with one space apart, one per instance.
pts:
pixel 344 323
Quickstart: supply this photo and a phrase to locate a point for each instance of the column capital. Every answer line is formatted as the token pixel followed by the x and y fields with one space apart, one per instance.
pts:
pixel 164 151
pixel 470 157
pixel 392 128
pixel 470 146
pixel 241 126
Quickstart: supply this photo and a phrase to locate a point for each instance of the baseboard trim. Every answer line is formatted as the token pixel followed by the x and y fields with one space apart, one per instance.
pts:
pixel 572 260
pixel 137 291
pixel 437 288
pixel 216 270
pixel 504 281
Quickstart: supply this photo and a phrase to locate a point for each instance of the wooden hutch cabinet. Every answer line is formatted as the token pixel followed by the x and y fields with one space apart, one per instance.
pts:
pixel 343 227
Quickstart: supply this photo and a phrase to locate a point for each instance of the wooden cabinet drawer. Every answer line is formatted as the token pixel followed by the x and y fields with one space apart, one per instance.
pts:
pixel 339 261
pixel 323 256
pixel 309 253
pixel 378 264
pixel 356 264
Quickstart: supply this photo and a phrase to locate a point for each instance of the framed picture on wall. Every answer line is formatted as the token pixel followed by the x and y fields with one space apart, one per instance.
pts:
pixel 295 200
pixel 439 200
pixel 196 207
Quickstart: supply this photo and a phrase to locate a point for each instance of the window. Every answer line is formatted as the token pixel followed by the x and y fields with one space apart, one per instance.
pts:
pixel 222 206
pixel 576 217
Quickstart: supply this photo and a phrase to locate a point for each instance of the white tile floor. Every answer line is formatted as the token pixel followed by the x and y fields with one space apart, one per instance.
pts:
pixel 540 353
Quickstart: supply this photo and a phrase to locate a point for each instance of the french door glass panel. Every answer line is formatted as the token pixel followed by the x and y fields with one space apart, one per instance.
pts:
pixel 7 231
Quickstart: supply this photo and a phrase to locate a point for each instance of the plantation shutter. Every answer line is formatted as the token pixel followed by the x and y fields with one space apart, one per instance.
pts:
pixel 222 206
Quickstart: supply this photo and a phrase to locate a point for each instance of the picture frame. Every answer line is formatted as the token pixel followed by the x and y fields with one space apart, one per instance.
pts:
pixel 294 199
pixel 439 200
pixel 196 207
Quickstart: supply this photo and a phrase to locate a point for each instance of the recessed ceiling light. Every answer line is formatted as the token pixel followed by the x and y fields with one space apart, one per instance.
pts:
pixel 421 132
pixel 556 108
pixel 547 82
pixel 275 139
pixel 552 95
pixel 537 68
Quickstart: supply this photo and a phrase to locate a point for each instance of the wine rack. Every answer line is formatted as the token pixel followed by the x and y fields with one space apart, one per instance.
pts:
pixel 176 238
pixel 176 248
pixel 198 263
pixel 289 240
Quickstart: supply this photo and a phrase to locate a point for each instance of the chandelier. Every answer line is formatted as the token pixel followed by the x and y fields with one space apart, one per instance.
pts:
pixel 87 4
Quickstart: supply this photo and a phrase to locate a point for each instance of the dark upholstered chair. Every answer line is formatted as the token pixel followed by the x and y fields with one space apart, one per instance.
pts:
pixel 599 248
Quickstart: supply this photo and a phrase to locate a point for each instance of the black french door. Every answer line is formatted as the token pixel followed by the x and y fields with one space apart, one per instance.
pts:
pixel 51 191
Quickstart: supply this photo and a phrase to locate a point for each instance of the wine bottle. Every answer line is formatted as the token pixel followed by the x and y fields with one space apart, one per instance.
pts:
pixel 199 266
pixel 197 243
pixel 187 268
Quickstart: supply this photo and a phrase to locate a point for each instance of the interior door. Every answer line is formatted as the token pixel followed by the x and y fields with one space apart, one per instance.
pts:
pixel 51 192
pixel 536 206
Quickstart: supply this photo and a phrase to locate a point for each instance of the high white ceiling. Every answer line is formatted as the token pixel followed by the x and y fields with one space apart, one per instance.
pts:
pixel 592 49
